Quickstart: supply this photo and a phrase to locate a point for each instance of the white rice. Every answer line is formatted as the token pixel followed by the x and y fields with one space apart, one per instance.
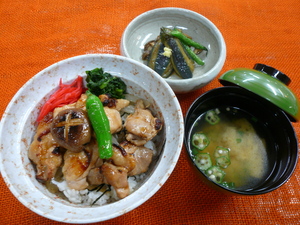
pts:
pixel 86 197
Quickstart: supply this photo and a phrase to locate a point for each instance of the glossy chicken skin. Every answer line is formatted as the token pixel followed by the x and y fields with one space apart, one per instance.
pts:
pixel 113 103
pixel 77 165
pixel 116 176
pixel 127 160
pixel 114 118
pixel 44 152
pixel 142 126
pixel 112 109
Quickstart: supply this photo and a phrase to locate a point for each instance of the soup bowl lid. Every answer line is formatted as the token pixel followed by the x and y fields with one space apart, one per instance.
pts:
pixel 267 82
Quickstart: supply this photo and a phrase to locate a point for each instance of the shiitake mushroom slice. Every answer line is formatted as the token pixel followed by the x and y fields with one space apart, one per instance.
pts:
pixel 71 129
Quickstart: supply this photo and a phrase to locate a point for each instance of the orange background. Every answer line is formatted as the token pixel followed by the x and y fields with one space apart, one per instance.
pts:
pixel 37 33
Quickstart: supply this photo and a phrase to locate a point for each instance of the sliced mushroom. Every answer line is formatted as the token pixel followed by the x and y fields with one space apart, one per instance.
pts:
pixel 71 129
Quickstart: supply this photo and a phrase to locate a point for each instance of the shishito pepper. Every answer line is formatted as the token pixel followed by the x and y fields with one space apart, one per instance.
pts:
pixel 193 55
pixel 100 124
pixel 188 41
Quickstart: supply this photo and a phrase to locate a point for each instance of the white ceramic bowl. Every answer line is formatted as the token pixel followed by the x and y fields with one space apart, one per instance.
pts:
pixel 17 130
pixel 147 26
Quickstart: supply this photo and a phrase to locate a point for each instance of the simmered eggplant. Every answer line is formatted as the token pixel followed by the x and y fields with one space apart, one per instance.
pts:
pixel 147 49
pixel 173 50
pixel 158 61
pixel 181 61
pixel 71 129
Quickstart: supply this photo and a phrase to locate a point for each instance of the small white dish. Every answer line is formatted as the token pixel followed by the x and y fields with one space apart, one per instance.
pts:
pixel 146 27
pixel 17 129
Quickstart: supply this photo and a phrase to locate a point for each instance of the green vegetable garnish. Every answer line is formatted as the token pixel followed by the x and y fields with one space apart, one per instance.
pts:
pixel 100 124
pixel 230 185
pixel 223 161
pixel 200 141
pixel 212 117
pixel 221 151
pixel 99 82
pixel 203 161
pixel 216 174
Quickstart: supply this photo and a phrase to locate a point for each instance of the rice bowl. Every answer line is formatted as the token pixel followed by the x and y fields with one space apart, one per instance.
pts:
pixel 17 129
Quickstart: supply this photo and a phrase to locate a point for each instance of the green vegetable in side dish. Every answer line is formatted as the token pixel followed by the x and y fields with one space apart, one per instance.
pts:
pixel 100 124
pixel 200 141
pixel 193 55
pixel 100 82
pixel 175 51
pixel 186 40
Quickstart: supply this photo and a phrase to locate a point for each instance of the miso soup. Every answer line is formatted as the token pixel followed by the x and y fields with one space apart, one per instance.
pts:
pixel 229 146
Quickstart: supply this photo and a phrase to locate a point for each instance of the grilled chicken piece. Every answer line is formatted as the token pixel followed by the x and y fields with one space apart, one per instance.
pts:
pixel 112 107
pixel 81 103
pixel 120 158
pixel 95 177
pixel 44 152
pixel 141 125
pixel 124 158
pixel 59 109
pixel 115 121
pixel 116 176
pixel 142 157
pixel 78 165
pixel 113 103
pixel 128 160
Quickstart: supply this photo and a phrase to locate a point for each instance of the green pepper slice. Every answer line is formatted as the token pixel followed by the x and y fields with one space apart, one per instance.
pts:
pixel 200 140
